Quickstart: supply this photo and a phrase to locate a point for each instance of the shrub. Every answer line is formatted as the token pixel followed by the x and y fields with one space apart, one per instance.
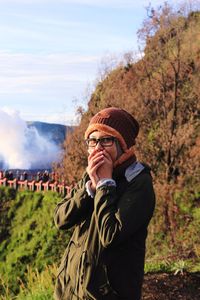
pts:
pixel 31 239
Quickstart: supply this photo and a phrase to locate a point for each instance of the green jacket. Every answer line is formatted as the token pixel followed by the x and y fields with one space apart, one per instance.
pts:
pixel 105 256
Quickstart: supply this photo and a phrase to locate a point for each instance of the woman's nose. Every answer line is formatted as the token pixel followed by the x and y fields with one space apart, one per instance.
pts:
pixel 99 146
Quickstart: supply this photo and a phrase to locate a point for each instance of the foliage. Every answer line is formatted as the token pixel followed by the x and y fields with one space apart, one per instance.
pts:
pixel 32 239
pixel 38 285
pixel 162 90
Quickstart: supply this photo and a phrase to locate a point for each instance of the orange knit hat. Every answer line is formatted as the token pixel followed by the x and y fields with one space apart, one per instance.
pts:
pixel 118 123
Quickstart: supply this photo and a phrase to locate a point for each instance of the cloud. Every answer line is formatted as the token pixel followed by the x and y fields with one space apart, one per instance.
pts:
pixel 25 73
pixel 43 87
pixel 94 3
pixel 23 147
pixel 114 3
pixel 59 118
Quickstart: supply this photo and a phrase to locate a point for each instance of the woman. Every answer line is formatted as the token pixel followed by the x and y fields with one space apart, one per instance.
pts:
pixel 110 209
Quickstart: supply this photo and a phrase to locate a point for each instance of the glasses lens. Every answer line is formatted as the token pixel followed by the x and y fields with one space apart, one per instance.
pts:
pixel 107 141
pixel 91 142
pixel 104 141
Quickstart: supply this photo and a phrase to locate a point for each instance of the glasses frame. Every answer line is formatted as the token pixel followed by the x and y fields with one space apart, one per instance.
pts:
pixel 99 141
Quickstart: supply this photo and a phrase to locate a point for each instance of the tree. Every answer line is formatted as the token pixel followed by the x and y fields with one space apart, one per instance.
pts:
pixel 162 91
pixel 169 99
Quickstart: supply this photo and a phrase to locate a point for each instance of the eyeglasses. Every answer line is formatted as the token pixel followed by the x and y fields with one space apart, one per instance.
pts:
pixel 104 141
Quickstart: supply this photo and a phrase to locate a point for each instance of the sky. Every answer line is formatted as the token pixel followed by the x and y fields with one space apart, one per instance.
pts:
pixel 52 52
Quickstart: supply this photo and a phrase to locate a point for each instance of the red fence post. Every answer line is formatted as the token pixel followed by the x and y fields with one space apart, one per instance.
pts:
pixel 45 186
pixel 38 185
pixel 12 183
pixel 33 185
pixel 3 182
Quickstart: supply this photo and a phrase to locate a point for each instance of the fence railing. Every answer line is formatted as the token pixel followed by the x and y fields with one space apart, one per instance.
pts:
pixel 34 185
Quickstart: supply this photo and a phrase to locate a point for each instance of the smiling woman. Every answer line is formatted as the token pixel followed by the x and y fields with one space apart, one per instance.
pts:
pixel 110 209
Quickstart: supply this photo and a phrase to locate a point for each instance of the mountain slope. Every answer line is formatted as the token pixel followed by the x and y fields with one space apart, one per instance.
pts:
pixel 53 132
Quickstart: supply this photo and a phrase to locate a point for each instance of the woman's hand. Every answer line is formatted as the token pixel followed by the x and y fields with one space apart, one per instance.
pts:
pixel 100 166
pixel 95 160
pixel 106 169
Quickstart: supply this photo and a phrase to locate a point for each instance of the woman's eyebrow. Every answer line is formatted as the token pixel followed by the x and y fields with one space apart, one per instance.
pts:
pixel 101 137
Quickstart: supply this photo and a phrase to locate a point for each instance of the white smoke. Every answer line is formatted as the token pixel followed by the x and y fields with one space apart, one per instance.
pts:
pixel 22 147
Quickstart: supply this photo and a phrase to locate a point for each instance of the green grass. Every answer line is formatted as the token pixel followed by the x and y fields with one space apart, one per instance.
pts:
pixel 31 246
pixel 172 266
pixel 37 285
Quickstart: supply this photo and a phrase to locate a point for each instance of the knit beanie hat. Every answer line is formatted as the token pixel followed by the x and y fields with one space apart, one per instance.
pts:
pixel 118 123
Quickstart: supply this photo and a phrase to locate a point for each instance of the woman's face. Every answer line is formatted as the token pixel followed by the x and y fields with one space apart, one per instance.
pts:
pixel 111 149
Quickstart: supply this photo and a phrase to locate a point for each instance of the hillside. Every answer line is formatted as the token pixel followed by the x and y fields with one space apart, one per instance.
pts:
pixel 36 244
pixel 30 254
pixel 162 90
pixel 53 132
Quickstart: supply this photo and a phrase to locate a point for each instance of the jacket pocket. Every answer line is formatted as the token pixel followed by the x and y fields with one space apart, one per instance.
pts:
pixel 98 284
pixel 105 287
pixel 63 277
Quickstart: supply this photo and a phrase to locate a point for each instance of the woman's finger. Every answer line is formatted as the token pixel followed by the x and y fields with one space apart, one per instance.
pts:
pixel 94 161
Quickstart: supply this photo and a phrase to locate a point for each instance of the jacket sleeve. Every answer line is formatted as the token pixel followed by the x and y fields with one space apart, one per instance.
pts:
pixel 74 207
pixel 119 218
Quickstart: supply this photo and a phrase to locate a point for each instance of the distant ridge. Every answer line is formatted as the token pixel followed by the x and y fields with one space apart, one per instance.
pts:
pixel 54 132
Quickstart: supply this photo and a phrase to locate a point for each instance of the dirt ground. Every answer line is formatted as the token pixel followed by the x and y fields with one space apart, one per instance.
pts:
pixel 171 287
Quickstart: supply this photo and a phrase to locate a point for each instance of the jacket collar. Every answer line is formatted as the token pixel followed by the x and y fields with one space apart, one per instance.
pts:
pixel 133 170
